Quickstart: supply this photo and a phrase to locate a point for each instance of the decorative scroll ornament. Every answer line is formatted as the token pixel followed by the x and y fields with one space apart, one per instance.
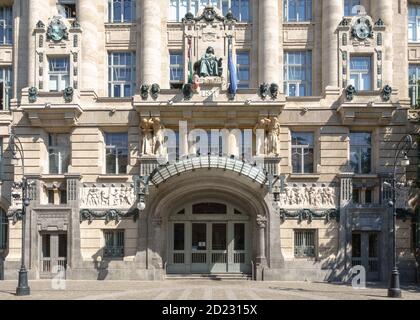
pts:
pixel 350 92
pixel 16 215
pixel 362 29
pixel 68 94
pixel 309 215
pixel 32 94
pixel 386 93
pixel 209 14
pixel 57 31
pixel 108 215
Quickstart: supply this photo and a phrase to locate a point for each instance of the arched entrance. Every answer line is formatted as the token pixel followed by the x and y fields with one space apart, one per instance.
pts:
pixel 210 236
pixel 230 234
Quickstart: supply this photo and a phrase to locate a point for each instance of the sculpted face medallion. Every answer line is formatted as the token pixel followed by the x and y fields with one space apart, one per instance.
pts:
pixel 57 31
pixel 362 29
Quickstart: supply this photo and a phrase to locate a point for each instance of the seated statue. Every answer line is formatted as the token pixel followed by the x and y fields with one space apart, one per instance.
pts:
pixel 209 65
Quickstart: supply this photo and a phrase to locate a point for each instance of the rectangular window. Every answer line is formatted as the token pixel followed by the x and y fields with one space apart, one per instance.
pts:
pixel 179 236
pixel 179 8
pixel 1 158
pixel 116 153
pixel 121 11
pixel 360 152
pixel 350 7
pixel 59 73
pixel 304 243
pixel 67 8
pixel 176 69
pixel 243 66
pixel 361 73
pixel 414 84
pixel 3 229
pixel 114 243
pixel 356 196
pixel 413 23
pixel 6 25
pixel 297 10
pixel 303 152
pixel 58 153
pixel 368 196
pixel 121 74
pixel 298 73
pixel 5 87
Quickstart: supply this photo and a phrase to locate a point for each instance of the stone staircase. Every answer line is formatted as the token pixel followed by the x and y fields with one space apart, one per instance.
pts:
pixel 209 276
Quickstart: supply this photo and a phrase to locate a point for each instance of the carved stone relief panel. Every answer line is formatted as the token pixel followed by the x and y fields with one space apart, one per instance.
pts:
pixel 105 196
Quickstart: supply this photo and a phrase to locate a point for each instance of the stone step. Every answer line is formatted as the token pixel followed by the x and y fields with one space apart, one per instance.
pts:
pixel 207 276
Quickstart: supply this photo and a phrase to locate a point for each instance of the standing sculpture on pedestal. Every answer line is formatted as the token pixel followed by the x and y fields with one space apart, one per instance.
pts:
pixel 147 134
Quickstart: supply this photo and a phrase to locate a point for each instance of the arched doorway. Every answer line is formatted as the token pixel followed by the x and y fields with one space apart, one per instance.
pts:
pixel 209 236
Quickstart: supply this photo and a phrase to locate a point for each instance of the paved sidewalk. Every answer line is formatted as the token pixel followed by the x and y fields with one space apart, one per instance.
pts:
pixel 201 289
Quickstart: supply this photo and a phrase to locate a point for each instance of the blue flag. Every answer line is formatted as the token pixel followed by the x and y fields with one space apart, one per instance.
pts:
pixel 233 79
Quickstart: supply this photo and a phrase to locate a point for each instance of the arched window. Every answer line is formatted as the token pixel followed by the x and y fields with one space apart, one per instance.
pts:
pixel 3 229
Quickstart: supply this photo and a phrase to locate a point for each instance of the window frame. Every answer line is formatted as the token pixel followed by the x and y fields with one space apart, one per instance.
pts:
pixel 121 83
pixel 301 253
pixel 6 25
pixel 307 82
pixel 123 18
pixel 117 237
pixel 59 74
pixel 114 147
pixel 63 152
pixel 302 148
pixel 243 84
pixel 361 72
pixel 414 83
pixel 4 229
pixel 180 66
pixel 308 11
pixel 413 21
pixel 358 148
pixel 348 6
pixel 194 6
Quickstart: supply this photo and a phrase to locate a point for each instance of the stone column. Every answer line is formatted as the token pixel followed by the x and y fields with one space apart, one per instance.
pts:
pixel 261 224
pixel 269 41
pixel 151 42
pixel 332 13
pixel 383 9
pixel 346 192
pixel 34 15
pixel 87 11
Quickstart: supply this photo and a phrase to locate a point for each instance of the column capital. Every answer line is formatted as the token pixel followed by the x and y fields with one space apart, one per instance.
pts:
pixel 261 221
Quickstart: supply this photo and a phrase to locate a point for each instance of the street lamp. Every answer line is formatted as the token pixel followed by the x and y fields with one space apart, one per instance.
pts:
pixel 16 147
pixel 403 147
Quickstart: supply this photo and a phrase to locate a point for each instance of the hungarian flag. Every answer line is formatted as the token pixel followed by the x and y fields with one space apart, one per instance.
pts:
pixel 233 79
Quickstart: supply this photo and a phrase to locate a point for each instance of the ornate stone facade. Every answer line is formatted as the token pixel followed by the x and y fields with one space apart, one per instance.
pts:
pixel 135 194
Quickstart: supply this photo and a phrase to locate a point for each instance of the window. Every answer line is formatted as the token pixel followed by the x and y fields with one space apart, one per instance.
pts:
pixel 413 23
pixel 5 87
pixel 59 73
pixel 6 25
pixel 413 83
pixel 243 68
pixel 121 74
pixel 349 7
pixel 121 10
pixel 297 10
pixel 1 158
pixel 360 152
pixel 58 153
pixel 368 196
pixel 179 8
pixel 303 152
pixel 114 243
pixel 3 229
pixel 298 73
pixel 356 196
pixel 176 69
pixel 304 243
pixel 361 73
pixel 209 208
pixel 67 8
pixel 116 152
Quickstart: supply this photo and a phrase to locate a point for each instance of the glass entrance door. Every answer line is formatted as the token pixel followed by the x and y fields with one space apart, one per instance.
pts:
pixel 365 253
pixel 199 252
pixel 219 251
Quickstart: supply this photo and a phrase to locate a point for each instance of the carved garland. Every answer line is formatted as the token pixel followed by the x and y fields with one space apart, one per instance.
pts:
pixel 108 215
pixel 310 215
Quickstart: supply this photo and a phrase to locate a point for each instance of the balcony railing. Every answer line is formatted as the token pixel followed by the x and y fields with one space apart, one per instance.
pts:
pixel 47 264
